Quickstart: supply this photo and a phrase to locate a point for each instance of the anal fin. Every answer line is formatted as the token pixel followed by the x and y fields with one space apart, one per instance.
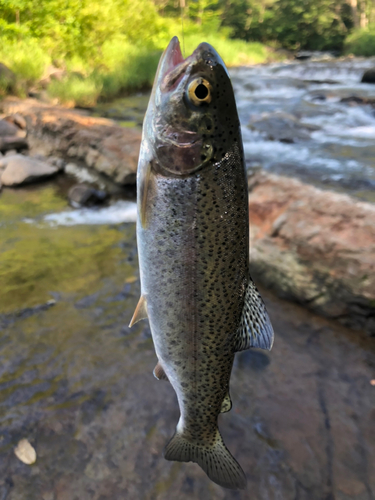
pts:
pixel 159 372
pixel 140 311
pixel 255 329
pixel 226 405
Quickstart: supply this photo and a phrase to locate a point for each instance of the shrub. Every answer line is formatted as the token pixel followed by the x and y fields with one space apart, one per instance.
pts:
pixel 361 42
pixel 76 91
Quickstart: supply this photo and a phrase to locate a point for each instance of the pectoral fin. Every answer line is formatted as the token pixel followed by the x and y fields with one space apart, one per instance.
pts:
pixel 159 372
pixel 226 405
pixel 140 311
pixel 146 192
pixel 255 328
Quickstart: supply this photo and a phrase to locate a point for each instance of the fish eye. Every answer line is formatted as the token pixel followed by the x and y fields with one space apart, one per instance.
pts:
pixel 199 91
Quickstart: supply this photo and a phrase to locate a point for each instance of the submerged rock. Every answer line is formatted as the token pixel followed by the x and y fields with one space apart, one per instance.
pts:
pixel 314 247
pixel 282 127
pixel 355 100
pixel 21 169
pixel 84 195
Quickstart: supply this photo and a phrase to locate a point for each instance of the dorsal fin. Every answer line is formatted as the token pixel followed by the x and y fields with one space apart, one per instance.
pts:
pixel 140 311
pixel 255 328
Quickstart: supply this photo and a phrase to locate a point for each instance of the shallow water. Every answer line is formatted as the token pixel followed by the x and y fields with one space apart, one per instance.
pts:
pixel 339 154
pixel 78 384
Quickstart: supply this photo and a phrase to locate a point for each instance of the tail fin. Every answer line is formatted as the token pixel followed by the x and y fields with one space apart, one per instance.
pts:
pixel 215 460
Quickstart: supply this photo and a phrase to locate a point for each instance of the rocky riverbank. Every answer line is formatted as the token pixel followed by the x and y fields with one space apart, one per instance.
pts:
pixel 311 246
pixel 75 136
pixel 314 247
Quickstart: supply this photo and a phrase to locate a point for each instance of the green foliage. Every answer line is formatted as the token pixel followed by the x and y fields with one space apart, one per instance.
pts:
pixel 131 67
pixel 233 52
pixel 25 58
pixel 307 24
pixel 361 42
pixel 76 91
pixel 116 44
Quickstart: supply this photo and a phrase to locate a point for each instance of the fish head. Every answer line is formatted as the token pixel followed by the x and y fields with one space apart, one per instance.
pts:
pixel 192 119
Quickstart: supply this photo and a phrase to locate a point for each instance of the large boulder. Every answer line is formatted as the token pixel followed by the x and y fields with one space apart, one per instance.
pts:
pixel 16 170
pixel 369 76
pixel 315 247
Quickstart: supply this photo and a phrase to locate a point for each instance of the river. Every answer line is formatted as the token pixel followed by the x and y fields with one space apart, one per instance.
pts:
pixel 77 382
pixel 323 114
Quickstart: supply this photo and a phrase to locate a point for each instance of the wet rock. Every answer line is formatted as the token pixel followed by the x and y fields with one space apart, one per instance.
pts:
pixel 13 142
pixel 59 163
pixel 102 145
pixel 11 152
pixel 17 120
pixel 84 195
pixel 315 55
pixel 281 127
pixel 368 76
pixel 7 129
pixel 303 55
pixel 314 247
pixel 21 169
pixel 355 100
pixel 322 82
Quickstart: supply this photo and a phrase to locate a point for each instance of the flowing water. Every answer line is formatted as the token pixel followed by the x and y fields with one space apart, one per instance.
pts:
pixel 323 115
pixel 77 382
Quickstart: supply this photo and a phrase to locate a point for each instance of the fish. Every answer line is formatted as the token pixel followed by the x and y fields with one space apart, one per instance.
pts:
pixel 193 249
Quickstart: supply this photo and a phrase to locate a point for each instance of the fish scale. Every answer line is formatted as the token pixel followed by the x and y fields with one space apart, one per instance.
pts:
pixel 193 245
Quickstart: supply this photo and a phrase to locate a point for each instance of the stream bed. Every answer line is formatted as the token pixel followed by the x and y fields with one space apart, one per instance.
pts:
pixel 77 382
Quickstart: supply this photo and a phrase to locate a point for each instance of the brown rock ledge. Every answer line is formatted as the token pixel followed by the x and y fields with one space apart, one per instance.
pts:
pixel 314 247
pixel 98 142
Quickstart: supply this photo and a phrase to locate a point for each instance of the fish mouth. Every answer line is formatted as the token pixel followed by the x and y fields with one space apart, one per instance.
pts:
pixel 173 66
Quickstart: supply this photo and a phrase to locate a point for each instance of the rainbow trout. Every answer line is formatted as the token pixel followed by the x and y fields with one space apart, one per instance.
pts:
pixel 193 245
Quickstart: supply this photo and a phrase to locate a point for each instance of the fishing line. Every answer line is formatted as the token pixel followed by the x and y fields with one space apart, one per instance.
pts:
pixel 182 6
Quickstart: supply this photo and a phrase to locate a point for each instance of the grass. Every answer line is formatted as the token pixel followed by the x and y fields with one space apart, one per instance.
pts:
pixel 233 52
pixel 25 58
pixel 361 42
pixel 76 91
pixel 129 68
pixel 119 67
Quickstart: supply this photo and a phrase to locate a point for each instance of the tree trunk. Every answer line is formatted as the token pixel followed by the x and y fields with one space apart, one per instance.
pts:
pixel 354 7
